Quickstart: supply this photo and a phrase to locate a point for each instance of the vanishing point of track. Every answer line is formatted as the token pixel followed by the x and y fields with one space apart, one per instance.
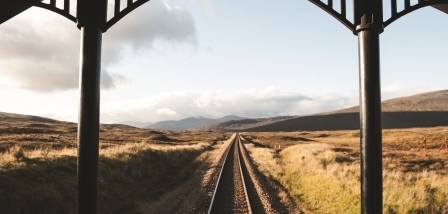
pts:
pixel 230 194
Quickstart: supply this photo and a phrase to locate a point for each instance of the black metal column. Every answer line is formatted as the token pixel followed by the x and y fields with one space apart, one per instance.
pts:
pixel 91 16
pixel 88 126
pixel 370 115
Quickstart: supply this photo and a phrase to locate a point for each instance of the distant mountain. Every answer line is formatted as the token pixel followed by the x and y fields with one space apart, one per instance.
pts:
pixel 19 118
pixel 229 118
pixel 135 124
pixel 429 101
pixel 235 125
pixel 422 110
pixel 11 123
pixel 191 122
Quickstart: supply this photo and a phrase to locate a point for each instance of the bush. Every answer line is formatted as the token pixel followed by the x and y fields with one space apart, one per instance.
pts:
pixel 18 153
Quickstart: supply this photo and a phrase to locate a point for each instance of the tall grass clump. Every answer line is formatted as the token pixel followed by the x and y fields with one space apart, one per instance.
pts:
pixel 317 181
pixel 324 181
pixel 415 192
pixel 128 175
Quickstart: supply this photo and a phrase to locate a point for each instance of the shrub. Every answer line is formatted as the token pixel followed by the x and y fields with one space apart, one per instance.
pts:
pixel 18 153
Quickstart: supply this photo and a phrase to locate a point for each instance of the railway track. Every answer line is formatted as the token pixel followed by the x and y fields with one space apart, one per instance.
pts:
pixel 232 184
pixel 231 195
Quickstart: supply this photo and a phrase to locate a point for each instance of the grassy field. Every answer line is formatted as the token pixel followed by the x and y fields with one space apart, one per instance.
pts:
pixel 142 168
pixel 321 169
pixel 129 175
pixel 136 166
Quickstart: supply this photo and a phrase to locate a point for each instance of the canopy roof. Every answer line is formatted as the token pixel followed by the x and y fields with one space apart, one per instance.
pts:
pixel 11 8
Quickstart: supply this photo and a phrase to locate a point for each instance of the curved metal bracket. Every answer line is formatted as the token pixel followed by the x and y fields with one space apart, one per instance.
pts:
pixel 52 7
pixel 120 14
pixel 408 8
pixel 25 4
pixel 339 16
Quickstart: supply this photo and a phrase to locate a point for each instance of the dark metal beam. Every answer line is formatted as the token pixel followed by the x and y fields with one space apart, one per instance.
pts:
pixel 441 7
pixel 340 16
pixel 120 14
pixel 11 8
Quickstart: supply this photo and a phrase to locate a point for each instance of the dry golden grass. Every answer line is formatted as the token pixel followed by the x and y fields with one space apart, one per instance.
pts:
pixel 136 166
pixel 130 175
pixel 139 168
pixel 321 171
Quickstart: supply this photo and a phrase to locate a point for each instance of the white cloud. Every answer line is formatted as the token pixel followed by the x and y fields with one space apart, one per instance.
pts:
pixel 43 54
pixel 207 5
pixel 154 21
pixel 177 105
pixel 166 111
pixel 253 103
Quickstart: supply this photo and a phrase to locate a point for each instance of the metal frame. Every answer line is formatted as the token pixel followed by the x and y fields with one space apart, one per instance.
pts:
pixel 92 21
pixel 10 8
pixel 65 11
pixel 409 8
pixel 52 7
pixel 368 25
pixel 342 16
pixel 118 14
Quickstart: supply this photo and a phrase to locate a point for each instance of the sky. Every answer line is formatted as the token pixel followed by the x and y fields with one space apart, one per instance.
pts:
pixel 172 59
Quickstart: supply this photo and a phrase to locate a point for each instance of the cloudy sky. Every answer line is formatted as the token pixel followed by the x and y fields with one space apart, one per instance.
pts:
pixel 171 59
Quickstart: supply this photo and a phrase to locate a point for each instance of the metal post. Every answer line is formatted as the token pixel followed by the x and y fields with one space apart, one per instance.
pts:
pixel 91 16
pixel 370 114
pixel 88 126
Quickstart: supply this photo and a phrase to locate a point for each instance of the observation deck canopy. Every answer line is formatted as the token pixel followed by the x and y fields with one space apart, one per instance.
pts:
pixel 11 8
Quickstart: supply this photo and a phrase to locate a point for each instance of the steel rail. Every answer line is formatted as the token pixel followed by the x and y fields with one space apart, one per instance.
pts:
pixel 237 143
pixel 220 173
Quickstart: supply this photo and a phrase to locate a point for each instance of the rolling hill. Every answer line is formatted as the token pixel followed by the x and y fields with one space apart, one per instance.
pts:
pixel 135 124
pixel 241 124
pixel 191 122
pixel 430 101
pixel 421 110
